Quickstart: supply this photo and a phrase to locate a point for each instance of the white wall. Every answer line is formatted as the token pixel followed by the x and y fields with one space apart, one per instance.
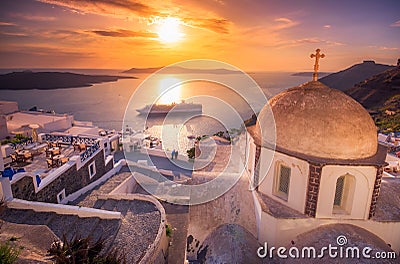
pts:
pixel 251 153
pixel 364 184
pixel 298 178
pixel 1 161
pixel 279 232
pixel 3 127
pixel 59 125
pixel 7 107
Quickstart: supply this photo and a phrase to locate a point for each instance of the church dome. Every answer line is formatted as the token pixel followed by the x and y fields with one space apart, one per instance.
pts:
pixel 315 120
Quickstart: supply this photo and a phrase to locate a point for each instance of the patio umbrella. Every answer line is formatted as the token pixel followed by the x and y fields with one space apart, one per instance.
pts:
pixel 24 131
pixel 34 132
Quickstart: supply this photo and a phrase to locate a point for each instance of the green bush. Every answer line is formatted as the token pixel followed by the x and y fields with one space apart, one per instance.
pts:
pixel 168 231
pixel 83 250
pixel 191 153
pixel 8 253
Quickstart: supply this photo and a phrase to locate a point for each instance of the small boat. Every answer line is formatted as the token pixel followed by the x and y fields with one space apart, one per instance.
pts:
pixel 164 109
pixel 191 137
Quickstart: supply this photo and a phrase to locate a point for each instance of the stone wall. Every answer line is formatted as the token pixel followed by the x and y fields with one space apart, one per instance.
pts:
pixel 375 193
pixel 256 167
pixel 72 180
pixel 236 206
pixel 313 189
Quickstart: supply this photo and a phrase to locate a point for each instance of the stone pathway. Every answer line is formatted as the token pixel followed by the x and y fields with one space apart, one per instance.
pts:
pixel 139 226
pixel 140 221
pixel 178 219
pixel 89 199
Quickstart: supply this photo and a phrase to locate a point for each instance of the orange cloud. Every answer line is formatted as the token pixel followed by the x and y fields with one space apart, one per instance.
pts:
pixel 284 22
pixel 299 42
pixel 213 24
pixel 396 24
pixel 33 17
pixel 107 7
pixel 124 33
pixel 7 24
pixel 129 8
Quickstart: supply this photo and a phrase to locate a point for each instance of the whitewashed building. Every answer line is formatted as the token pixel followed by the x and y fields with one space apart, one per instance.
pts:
pixel 325 168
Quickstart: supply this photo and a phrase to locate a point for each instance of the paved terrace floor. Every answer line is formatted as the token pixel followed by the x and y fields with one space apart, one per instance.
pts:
pixel 38 166
pixel 162 163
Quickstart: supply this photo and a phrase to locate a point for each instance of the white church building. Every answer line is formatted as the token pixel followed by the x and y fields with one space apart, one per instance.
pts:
pixel 322 166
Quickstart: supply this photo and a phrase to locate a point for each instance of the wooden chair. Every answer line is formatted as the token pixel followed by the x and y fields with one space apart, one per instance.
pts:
pixel 48 153
pixel 76 146
pixel 28 156
pixel 13 157
pixel 82 147
pixel 63 160
pixel 49 163
pixel 20 158
pixel 56 152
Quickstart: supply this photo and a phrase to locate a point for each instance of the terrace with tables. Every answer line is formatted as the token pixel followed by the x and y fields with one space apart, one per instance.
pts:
pixel 41 158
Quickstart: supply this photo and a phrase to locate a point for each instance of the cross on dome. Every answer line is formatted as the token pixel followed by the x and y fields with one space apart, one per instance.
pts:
pixel 317 55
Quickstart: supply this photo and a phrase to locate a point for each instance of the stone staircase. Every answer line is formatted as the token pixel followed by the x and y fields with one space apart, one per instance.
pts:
pixel 131 235
pixel 89 198
pixel 140 223
pixel 70 225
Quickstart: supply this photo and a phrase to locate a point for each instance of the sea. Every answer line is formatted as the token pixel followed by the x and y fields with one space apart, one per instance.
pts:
pixel 112 105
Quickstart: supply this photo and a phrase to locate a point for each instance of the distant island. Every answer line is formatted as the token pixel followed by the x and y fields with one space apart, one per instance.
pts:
pixel 29 80
pixel 142 70
pixel 180 70
pixel 310 74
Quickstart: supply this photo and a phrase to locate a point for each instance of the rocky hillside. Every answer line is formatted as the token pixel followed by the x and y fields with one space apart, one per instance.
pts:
pixel 381 95
pixel 347 78
pixel 375 91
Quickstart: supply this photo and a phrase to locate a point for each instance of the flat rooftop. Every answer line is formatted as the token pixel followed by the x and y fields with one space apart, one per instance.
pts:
pixel 388 204
pixel 277 209
pixel 19 119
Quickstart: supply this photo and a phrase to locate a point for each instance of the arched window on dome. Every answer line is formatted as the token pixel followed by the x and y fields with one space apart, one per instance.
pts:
pixel 344 191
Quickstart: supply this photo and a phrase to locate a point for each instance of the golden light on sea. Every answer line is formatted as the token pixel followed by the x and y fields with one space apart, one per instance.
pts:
pixel 173 94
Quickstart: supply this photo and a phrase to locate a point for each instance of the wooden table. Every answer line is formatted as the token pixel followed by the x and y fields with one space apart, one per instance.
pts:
pixel 23 155
pixel 57 159
pixel 54 151
pixel 80 146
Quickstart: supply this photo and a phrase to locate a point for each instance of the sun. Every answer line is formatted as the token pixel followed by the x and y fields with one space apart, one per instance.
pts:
pixel 169 30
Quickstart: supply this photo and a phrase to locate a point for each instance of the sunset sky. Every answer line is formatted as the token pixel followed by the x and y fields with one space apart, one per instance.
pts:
pixel 272 35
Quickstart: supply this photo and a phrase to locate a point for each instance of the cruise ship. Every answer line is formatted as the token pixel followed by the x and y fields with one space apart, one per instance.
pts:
pixel 163 109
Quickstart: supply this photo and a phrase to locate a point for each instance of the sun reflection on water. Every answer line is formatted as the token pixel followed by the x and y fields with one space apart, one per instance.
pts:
pixel 173 94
